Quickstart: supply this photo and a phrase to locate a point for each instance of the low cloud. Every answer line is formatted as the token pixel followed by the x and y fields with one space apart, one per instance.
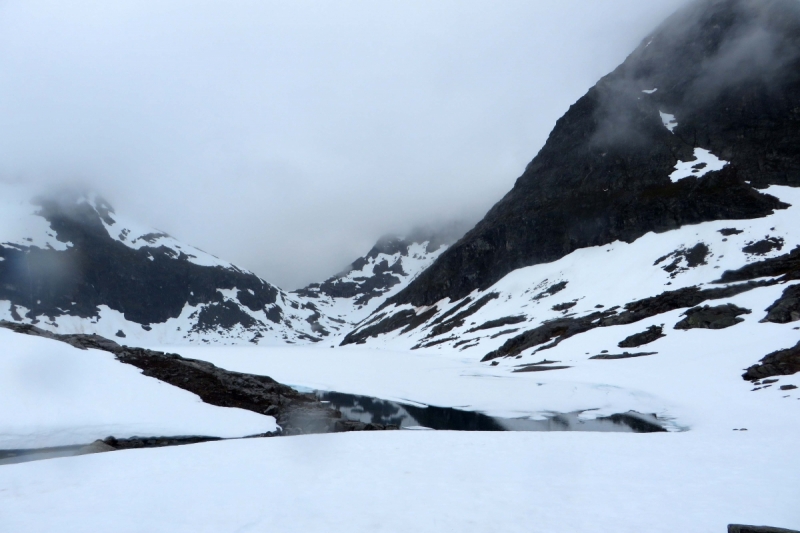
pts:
pixel 287 137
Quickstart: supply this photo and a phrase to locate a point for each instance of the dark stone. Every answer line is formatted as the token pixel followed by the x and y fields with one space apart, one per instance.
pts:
pixel 393 322
pixel 739 528
pixel 727 232
pixel 786 308
pixel 408 319
pixel 120 334
pixel 536 368
pixel 435 342
pixel 637 422
pixel 763 246
pixel 694 256
pixel 458 319
pixel 551 290
pixel 155 442
pixel 555 331
pixel 779 363
pixel 623 355
pixel 786 266
pixel 504 332
pixel 499 322
pixel 717 317
pixel 223 315
pixel 645 337
pixel 564 306
pixel 603 174
pixel 788 387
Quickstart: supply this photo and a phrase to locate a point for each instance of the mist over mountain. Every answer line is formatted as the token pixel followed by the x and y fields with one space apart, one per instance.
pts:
pixel 724 75
pixel 288 137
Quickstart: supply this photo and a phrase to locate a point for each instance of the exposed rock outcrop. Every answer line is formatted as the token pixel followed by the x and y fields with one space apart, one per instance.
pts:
pixel 786 308
pixel 555 331
pixel 716 317
pixel 779 363
pixel 647 336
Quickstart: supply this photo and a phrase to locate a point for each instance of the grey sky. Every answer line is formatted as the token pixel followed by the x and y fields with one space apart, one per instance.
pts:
pixel 287 137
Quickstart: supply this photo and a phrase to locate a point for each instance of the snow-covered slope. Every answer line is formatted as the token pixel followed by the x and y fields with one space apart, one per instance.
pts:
pixel 70 264
pixel 385 270
pixel 592 301
pixel 660 203
pixel 57 395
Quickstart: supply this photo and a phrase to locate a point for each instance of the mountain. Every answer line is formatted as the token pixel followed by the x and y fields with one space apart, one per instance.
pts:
pixel 70 264
pixel 664 199
pixel 718 83
pixel 387 268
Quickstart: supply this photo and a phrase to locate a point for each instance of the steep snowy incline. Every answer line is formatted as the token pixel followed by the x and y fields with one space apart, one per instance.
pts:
pixel 70 264
pixel 718 283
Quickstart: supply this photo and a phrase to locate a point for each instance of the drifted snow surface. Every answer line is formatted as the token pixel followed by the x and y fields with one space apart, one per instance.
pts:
pixel 57 395
pixel 422 481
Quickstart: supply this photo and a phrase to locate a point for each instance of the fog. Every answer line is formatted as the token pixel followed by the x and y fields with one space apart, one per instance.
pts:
pixel 287 137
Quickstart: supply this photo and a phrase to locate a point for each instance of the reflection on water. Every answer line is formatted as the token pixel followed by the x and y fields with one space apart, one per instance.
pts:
pixel 373 410
pixel 8 457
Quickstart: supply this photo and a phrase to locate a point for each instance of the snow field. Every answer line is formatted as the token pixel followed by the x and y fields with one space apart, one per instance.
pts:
pixel 422 481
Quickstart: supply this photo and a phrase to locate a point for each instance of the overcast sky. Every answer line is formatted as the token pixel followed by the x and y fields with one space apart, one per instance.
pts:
pixel 287 136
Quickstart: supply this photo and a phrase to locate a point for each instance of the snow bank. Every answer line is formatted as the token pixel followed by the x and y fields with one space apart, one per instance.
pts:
pixel 56 395
pixel 421 481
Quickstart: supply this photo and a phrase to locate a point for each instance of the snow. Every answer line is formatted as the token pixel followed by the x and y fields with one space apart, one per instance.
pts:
pixel 56 395
pixel 669 121
pixel 20 226
pixel 686 169
pixel 520 292
pixel 422 481
pixel 136 236
pixel 651 91
pixel 701 475
pixel 417 260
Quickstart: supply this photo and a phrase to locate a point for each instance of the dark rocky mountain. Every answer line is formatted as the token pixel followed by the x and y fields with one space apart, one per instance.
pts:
pixel 720 78
pixel 69 263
